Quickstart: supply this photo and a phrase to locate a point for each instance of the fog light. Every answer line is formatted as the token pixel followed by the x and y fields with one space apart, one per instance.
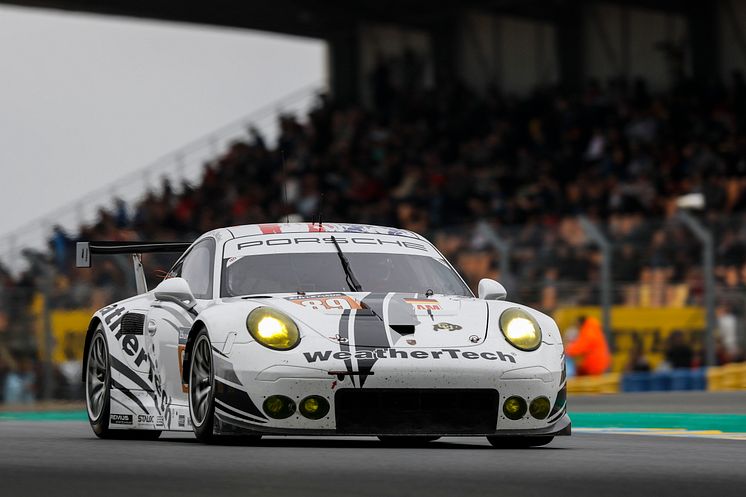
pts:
pixel 539 407
pixel 279 407
pixel 314 407
pixel 514 408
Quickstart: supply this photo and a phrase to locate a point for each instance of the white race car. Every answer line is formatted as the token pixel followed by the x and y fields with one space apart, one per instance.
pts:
pixel 308 329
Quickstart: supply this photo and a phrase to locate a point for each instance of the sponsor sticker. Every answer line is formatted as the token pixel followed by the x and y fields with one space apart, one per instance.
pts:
pixel 180 351
pixel 120 419
pixel 274 228
pixel 182 420
pixel 145 419
pixel 318 242
pixel 159 421
pixel 394 353
pixel 446 327
pixel 424 304
pixel 326 302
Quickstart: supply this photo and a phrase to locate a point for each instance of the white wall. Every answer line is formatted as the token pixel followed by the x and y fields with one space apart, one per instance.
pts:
pixel 732 22
pixel 609 52
pixel 514 54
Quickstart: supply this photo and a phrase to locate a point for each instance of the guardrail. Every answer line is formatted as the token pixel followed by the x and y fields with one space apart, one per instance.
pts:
pixel 182 165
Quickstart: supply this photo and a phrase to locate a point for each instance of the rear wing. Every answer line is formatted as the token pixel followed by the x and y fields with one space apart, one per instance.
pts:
pixel 85 250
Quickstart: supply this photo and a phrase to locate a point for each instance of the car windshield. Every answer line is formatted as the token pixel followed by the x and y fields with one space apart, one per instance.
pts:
pixel 323 272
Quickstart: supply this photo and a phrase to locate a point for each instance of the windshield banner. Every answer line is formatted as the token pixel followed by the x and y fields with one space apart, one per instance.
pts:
pixel 322 242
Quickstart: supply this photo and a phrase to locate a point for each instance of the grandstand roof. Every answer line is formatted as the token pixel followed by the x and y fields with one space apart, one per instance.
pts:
pixel 339 23
pixel 320 18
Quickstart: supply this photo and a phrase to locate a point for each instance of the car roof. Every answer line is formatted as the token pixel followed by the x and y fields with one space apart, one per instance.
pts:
pixel 278 228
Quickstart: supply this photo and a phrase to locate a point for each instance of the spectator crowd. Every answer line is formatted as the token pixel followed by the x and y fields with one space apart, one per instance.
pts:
pixel 439 161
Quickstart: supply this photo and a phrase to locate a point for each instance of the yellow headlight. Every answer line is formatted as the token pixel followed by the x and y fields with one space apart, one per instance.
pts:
pixel 272 329
pixel 520 329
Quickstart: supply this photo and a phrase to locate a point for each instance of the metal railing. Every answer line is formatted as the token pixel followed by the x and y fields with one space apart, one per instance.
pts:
pixel 182 165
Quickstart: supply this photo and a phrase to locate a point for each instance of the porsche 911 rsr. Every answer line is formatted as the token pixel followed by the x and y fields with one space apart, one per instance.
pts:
pixel 307 329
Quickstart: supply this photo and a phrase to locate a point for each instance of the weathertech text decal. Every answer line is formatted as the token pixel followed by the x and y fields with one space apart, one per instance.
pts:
pixel 401 354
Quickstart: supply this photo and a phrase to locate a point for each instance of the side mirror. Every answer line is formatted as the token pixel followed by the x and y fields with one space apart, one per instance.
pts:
pixel 176 291
pixel 491 290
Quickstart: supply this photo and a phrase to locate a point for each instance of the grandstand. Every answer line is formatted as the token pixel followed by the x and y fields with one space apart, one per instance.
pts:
pixel 484 131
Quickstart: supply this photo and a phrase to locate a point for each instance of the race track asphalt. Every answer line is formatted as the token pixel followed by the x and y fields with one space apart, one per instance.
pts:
pixel 65 459
pixel 700 402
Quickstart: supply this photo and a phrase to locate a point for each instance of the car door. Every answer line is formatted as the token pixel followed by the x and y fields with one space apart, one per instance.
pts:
pixel 169 323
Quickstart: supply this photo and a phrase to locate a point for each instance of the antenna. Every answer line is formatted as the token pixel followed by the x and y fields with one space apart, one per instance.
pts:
pixel 285 188
pixel 321 210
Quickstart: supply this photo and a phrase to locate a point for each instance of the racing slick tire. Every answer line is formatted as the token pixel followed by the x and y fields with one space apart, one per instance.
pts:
pixel 402 441
pixel 501 442
pixel 202 388
pixel 98 392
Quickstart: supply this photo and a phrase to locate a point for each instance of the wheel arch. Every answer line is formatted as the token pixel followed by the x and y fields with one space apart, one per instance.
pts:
pixel 197 326
pixel 92 326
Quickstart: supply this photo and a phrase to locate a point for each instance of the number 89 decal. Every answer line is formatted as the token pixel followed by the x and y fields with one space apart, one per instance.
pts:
pixel 327 301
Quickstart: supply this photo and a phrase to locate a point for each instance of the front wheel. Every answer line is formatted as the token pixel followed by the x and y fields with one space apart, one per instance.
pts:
pixel 518 442
pixel 201 388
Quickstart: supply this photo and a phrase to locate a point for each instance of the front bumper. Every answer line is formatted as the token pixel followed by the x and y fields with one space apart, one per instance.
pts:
pixel 419 403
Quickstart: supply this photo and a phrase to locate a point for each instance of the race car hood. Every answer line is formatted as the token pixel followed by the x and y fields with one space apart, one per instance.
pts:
pixel 388 319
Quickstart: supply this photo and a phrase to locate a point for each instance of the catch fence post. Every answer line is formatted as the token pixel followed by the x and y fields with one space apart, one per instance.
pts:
pixel 708 268
pixel 502 246
pixel 603 243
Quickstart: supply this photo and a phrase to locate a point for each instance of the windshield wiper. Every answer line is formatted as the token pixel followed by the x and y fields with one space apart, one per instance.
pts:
pixel 353 283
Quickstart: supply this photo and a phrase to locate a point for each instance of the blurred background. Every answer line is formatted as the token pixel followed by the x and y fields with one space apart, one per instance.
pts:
pixel 589 155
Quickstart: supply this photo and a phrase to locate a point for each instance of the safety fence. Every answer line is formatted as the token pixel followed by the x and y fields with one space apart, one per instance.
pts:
pixel 686 272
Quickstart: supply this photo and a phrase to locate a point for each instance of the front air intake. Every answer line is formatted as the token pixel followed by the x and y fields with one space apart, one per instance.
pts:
pixel 392 411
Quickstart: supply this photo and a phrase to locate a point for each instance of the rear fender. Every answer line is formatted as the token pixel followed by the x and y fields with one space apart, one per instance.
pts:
pixel 95 321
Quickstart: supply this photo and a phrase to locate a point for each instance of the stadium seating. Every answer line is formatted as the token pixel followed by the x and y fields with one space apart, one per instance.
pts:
pixel 435 163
